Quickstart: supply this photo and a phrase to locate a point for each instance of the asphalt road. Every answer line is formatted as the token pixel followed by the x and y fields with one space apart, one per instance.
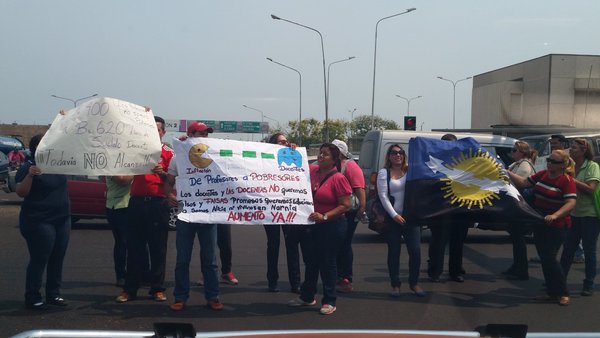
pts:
pixel 485 297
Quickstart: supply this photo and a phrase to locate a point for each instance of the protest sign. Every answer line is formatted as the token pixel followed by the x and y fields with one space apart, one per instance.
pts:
pixel 103 136
pixel 234 182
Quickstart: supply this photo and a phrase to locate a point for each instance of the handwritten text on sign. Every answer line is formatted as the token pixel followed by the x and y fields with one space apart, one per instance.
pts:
pixel 103 136
pixel 234 182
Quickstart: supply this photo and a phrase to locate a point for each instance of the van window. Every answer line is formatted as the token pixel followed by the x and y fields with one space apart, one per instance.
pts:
pixel 367 154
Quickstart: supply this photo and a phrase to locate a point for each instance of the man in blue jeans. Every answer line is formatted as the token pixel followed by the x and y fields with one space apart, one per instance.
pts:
pixel 186 231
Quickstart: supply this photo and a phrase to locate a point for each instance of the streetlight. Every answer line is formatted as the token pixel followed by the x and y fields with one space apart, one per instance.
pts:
pixel 74 101
pixel 272 119
pixel 375 63
pixel 275 17
pixel 329 77
pixel 408 102
pixel 262 119
pixel 454 83
pixel 351 118
pixel 300 89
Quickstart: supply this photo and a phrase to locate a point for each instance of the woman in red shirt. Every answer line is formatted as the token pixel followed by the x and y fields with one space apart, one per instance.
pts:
pixel 331 199
pixel 554 196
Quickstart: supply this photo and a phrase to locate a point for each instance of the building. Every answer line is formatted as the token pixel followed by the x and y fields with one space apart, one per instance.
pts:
pixel 552 90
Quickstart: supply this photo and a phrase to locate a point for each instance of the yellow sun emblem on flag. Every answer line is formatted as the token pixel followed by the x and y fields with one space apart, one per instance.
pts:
pixel 477 166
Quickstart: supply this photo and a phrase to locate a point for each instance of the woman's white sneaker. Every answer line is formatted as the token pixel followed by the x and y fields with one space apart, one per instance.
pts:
pixel 327 309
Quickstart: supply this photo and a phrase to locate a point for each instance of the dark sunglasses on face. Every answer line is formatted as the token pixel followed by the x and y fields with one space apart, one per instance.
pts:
pixel 514 150
pixel 282 142
pixel 394 153
pixel 553 161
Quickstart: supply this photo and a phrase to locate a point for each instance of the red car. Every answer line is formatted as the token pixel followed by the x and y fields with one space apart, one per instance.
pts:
pixel 88 198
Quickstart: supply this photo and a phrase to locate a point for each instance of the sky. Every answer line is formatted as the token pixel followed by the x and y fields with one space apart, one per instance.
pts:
pixel 206 59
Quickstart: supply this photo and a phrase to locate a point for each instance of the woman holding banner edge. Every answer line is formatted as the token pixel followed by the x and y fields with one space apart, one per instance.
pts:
pixel 554 196
pixel 331 198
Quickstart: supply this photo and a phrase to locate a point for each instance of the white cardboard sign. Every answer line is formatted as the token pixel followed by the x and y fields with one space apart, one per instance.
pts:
pixel 235 182
pixel 103 136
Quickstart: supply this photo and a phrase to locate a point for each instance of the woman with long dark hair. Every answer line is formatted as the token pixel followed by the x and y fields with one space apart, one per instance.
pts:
pixel 45 223
pixel 331 198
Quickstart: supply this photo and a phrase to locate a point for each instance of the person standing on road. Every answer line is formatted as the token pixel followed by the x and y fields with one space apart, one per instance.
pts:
pixel 186 231
pixel 331 199
pixel 291 234
pixel 586 225
pixel 354 175
pixel 45 223
pixel 149 225
pixel 555 196
pixel 454 236
pixel 117 215
pixel 524 158
pixel 391 181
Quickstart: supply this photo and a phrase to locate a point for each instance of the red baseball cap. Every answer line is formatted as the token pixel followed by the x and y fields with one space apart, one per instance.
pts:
pixel 198 127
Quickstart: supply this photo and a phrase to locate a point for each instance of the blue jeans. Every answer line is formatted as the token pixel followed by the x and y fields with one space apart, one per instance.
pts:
pixel 345 257
pixel 119 220
pixel 184 242
pixel 412 239
pixel 47 244
pixel 585 229
pixel 322 245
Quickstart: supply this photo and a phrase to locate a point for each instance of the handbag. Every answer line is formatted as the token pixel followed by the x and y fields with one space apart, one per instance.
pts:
pixel 354 203
pixel 379 220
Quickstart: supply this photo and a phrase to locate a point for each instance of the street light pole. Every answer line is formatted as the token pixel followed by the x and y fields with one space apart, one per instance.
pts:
pixel 408 102
pixel 300 90
pixel 74 101
pixel 275 17
pixel 351 119
pixel 262 120
pixel 329 77
pixel 375 63
pixel 454 83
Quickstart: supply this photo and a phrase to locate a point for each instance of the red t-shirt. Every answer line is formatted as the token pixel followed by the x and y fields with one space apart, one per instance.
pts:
pixel 354 174
pixel 151 184
pixel 326 196
pixel 551 194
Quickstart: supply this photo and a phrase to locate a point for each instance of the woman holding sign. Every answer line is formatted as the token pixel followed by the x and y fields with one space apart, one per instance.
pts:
pixel 291 235
pixel 331 197
pixel 45 223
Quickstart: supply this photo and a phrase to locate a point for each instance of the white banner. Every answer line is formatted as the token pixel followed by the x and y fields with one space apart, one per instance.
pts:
pixel 235 182
pixel 103 136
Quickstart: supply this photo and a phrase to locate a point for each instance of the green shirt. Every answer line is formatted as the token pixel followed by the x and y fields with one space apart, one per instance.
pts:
pixel 589 171
pixel 117 195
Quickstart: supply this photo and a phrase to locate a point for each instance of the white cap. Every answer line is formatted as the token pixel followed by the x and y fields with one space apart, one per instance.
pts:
pixel 343 147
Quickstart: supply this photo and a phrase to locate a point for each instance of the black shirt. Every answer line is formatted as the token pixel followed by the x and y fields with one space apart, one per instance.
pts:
pixel 48 199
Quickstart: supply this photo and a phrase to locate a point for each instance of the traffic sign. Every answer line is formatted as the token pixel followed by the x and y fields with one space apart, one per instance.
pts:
pixel 227 126
pixel 250 127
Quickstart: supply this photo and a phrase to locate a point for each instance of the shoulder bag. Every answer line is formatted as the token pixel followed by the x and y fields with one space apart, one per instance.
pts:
pixel 379 220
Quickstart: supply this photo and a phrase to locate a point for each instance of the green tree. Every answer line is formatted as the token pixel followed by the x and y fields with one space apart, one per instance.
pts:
pixel 362 124
pixel 310 130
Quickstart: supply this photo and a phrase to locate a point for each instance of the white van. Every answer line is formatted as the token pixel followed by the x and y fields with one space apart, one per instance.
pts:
pixel 541 143
pixel 376 143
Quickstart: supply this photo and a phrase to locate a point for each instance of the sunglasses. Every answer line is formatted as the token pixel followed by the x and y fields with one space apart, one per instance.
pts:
pixel 553 161
pixel 514 150
pixel 282 142
pixel 395 153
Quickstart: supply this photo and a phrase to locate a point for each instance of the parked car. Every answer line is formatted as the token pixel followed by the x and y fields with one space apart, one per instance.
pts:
pixel 4 168
pixel 8 143
pixel 88 198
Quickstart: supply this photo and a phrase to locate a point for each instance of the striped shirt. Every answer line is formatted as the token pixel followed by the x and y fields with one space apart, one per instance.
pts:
pixel 551 194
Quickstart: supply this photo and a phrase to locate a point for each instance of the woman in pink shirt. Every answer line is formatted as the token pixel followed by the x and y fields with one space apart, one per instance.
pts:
pixel 331 197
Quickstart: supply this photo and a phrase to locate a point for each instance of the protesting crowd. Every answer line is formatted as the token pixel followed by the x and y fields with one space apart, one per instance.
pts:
pixel 138 209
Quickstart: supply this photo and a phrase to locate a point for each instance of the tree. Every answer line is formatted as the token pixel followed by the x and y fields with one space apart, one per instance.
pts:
pixel 362 124
pixel 311 131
